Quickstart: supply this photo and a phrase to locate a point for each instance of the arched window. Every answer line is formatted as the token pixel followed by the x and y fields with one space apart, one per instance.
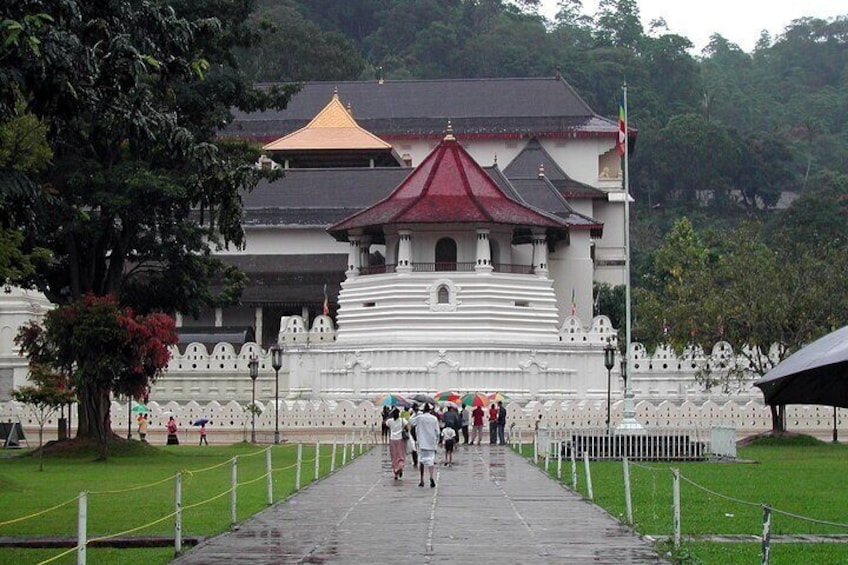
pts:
pixel 444 295
pixel 446 254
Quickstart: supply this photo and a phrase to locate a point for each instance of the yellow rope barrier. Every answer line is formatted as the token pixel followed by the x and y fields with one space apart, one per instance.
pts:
pixel 55 557
pixel 131 530
pixel 39 513
pixel 130 489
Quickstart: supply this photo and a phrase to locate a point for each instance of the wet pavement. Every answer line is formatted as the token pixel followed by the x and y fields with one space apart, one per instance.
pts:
pixel 490 507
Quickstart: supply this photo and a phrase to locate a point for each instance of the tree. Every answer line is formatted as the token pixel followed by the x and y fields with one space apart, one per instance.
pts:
pixel 132 94
pixel 105 349
pixel 730 286
pixel 44 398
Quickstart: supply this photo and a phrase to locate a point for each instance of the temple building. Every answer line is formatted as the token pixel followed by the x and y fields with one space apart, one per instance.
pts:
pixel 343 147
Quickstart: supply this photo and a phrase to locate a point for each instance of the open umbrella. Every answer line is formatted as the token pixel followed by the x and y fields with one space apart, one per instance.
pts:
pixel 496 397
pixel 140 409
pixel 815 374
pixel 424 399
pixel 200 421
pixel 393 400
pixel 448 396
pixel 475 399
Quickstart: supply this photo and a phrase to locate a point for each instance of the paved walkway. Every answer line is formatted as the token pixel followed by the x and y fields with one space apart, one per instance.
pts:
pixel 491 507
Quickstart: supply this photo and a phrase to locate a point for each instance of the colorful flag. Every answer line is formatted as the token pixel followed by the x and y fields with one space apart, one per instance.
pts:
pixel 573 301
pixel 326 304
pixel 622 126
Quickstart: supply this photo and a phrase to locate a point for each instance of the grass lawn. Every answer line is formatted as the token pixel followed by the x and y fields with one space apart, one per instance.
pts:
pixel 149 472
pixel 801 476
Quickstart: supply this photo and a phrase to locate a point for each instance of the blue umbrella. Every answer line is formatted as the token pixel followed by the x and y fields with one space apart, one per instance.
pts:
pixel 200 421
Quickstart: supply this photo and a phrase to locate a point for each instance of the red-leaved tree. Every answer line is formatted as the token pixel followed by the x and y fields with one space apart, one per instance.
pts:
pixel 105 349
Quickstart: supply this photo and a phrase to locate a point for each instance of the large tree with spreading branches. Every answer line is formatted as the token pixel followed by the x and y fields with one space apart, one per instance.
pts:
pixel 131 194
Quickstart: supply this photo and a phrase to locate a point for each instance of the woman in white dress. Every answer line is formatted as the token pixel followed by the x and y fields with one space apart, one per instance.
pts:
pixel 397 443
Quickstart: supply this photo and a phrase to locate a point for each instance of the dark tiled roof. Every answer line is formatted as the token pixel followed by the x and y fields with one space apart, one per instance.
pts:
pixel 318 197
pixel 448 187
pixel 540 193
pixel 290 278
pixel 526 166
pixel 489 107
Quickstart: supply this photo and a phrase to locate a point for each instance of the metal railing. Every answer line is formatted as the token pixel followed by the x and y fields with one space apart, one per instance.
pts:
pixel 463 267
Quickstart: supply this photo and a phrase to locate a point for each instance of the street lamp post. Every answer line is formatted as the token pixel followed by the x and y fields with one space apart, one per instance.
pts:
pixel 609 363
pixel 276 362
pixel 253 366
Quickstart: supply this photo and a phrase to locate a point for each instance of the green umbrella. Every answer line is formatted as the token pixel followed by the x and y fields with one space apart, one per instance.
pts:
pixel 140 409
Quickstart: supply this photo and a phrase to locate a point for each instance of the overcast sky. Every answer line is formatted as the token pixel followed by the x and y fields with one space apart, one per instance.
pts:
pixel 739 21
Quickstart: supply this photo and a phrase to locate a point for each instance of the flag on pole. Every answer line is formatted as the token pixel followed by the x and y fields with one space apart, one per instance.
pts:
pixel 573 301
pixel 621 144
pixel 326 303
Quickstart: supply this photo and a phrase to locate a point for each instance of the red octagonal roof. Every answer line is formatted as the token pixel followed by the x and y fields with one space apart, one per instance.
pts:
pixel 447 187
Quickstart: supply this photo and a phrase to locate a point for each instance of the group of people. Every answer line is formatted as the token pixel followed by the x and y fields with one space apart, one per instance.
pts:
pixel 419 433
pixel 172 429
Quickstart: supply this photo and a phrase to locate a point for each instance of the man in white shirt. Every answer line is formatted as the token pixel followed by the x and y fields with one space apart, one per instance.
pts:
pixel 427 432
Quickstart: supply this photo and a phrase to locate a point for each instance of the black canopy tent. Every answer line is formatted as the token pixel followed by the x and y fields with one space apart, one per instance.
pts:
pixel 815 374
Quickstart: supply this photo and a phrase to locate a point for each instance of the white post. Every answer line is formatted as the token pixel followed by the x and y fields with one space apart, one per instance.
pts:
pixel 333 458
pixel 317 460
pixel 547 456
pixel 299 464
pixel 588 475
pixel 520 444
pixel 269 471
pixel 676 518
pixel 361 441
pixel 628 498
pixel 233 492
pixel 536 448
pixel 178 516
pixel 82 518
pixel 559 460
pixel 344 451
pixel 573 468
pixel 766 552
pixel 352 445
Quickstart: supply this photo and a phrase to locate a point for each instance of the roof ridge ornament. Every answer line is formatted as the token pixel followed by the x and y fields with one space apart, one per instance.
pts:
pixel 449 135
pixel 541 170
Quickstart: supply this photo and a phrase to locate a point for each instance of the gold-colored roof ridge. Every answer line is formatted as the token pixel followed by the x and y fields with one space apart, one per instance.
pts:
pixel 332 128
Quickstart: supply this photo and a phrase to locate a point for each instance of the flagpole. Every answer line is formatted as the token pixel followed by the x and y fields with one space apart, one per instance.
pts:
pixel 629 422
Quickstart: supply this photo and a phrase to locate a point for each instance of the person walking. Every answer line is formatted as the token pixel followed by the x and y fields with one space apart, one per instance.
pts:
pixel 450 439
pixel 142 427
pixel 466 421
pixel 477 424
pixel 427 431
pixel 172 432
pixel 452 419
pixel 501 422
pixel 413 439
pixel 203 434
pixel 397 442
pixel 383 427
pixel 493 424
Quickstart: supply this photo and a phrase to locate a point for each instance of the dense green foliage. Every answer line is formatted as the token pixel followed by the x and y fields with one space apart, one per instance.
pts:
pixel 124 100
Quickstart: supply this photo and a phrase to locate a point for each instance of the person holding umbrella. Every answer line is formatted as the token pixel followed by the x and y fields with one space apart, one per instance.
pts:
pixel 142 427
pixel 203 434
pixel 172 432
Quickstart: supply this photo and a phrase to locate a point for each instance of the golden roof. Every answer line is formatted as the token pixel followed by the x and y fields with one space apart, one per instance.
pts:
pixel 332 128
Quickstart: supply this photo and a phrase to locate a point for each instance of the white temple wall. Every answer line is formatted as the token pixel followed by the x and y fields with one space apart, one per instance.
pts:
pixel 287 240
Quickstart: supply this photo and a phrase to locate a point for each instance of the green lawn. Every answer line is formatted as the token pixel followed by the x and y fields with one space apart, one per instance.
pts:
pixel 149 473
pixel 727 498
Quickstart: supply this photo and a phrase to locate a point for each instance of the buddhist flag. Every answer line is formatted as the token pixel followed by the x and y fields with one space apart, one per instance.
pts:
pixel 573 301
pixel 622 126
pixel 326 304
